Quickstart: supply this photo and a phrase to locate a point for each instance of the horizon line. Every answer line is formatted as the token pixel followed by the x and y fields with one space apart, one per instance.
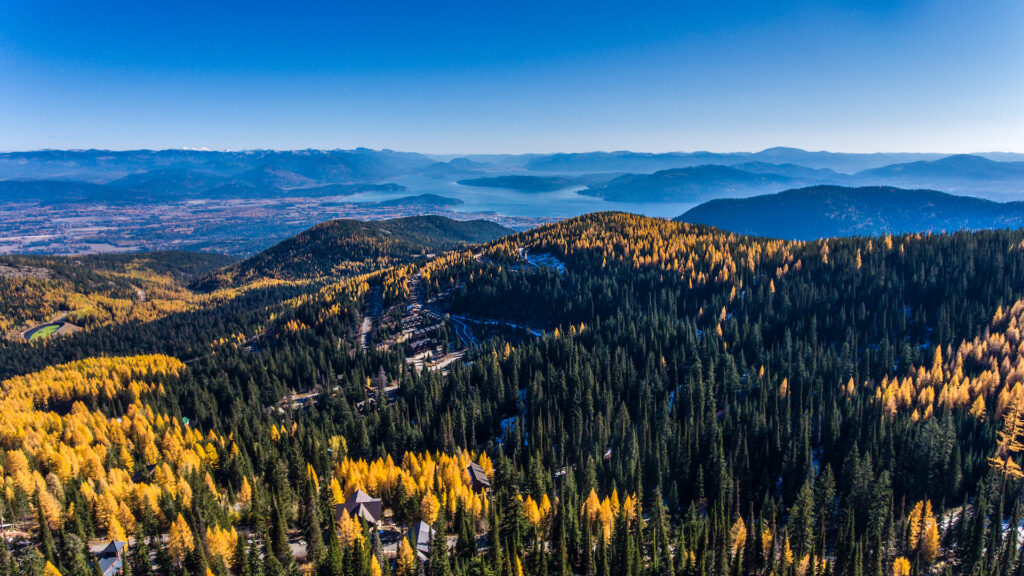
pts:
pixel 461 154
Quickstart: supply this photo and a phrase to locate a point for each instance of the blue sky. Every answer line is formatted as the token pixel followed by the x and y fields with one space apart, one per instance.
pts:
pixel 483 76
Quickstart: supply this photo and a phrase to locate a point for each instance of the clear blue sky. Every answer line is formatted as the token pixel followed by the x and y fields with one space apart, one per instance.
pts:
pixel 513 76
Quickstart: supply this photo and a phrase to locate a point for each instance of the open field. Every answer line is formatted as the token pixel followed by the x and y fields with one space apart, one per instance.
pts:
pixel 41 332
pixel 237 226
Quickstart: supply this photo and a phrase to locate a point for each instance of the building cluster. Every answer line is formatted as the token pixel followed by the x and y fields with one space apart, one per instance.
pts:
pixel 371 510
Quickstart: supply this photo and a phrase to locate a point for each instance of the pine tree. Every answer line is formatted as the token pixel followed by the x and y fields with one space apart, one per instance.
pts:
pixel 279 535
pixel 824 502
pixel 357 559
pixel 138 558
pixel 588 565
pixel 313 529
pixel 73 559
pixel 623 547
pixel 494 537
pixel 801 520
pixel 437 561
pixel 661 555
pixel 45 536
pixel 32 563
pixel 1010 550
pixel 6 562
pixel 332 563
pixel 974 551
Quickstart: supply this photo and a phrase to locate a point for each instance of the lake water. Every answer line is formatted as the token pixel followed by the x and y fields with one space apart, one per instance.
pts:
pixel 563 203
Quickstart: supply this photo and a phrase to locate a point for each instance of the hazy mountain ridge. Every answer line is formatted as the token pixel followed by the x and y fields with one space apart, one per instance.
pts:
pixel 168 186
pixel 419 200
pixel 828 211
pixel 661 177
pixel 963 173
pixel 626 161
pixel 47 191
pixel 522 183
pixel 692 184
pixel 101 166
pixel 958 173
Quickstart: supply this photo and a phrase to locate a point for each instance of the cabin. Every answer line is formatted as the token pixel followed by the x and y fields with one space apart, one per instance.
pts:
pixel 419 537
pixel 111 558
pixel 361 505
pixel 478 477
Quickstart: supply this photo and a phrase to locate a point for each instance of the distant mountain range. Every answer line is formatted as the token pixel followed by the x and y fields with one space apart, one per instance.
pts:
pixel 962 173
pixel 959 173
pixel 301 167
pixel 645 162
pixel 168 175
pixel 458 168
pixel 693 184
pixel 827 211
pixel 167 186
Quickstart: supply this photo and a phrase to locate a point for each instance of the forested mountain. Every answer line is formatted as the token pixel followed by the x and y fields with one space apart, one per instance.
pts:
pixel 458 168
pixel 958 173
pixel 169 181
pixel 167 186
pixel 342 247
pixel 692 184
pixel 522 183
pixel 644 396
pixel 625 161
pixel 98 289
pixel 425 200
pixel 50 191
pixel 824 211
pixel 790 170
pixel 103 166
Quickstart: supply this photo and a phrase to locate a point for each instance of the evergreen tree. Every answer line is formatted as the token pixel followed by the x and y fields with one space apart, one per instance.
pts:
pixel 437 560
pixel 332 563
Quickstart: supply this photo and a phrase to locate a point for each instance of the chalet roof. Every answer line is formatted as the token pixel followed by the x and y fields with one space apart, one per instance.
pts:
pixel 477 475
pixel 109 559
pixel 113 549
pixel 361 505
pixel 110 565
pixel 419 536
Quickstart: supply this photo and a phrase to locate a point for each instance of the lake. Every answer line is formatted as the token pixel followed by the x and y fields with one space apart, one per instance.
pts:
pixel 563 203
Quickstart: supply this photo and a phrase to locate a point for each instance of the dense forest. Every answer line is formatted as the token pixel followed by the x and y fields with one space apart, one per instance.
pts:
pixel 686 401
pixel 341 247
pixel 99 289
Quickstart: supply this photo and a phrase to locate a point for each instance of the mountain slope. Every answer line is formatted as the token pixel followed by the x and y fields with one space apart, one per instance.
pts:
pixel 99 289
pixel 626 380
pixel 522 183
pixel 790 170
pixel 689 184
pixel 826 211
pixel 958 173
pixel 432 201
pixel 171 181
pixel 52 191
pixel 292 167
pixel 625 161
pixel 342 247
